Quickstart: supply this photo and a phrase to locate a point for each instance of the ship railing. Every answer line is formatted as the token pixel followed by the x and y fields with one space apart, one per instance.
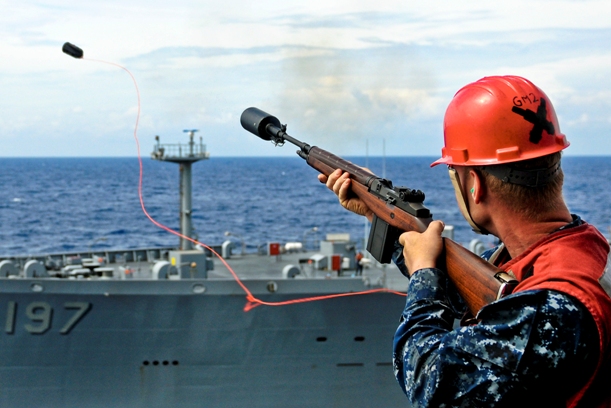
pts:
pixel 118 256
pixel 180 151
pixel 106 256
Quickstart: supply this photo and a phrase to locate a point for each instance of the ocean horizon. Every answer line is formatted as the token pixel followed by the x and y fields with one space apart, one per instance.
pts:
pixel 53 204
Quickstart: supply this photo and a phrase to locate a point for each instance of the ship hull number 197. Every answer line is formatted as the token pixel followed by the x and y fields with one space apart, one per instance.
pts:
pixel 39 316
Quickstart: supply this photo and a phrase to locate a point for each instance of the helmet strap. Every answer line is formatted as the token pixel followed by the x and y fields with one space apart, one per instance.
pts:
pixel 462 202
pixel 529 178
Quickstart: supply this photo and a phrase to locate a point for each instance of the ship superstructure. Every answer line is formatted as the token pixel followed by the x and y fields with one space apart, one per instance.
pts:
pixel 171 327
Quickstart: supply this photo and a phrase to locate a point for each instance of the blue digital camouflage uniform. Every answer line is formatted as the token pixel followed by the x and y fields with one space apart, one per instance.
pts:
pixel 535 347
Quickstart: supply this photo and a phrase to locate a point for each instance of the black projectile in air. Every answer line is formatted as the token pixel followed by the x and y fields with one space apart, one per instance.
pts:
pixel 72 50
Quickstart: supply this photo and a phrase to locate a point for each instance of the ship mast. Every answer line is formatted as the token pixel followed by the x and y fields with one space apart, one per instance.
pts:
pixel 185 155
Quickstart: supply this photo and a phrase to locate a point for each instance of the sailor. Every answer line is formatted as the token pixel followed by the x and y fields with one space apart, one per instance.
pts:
pixel 547 344
pixel 359 263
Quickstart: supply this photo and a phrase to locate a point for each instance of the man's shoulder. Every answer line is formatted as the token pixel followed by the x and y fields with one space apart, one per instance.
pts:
pixel 572 246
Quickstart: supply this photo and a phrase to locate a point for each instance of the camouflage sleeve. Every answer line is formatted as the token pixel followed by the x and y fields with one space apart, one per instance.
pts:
pixel 526 346
pixel 456 302
pixel 399 260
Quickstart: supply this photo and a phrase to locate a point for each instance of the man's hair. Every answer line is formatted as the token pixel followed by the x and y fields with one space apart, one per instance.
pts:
pixel 530 201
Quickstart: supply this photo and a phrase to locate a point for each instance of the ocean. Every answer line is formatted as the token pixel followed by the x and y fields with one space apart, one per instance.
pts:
pixel 50 205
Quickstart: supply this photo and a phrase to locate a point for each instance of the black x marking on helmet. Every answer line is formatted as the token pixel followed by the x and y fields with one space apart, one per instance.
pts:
pixel 539 119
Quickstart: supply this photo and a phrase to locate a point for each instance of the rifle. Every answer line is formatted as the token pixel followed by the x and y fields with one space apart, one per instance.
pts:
pixel 396 209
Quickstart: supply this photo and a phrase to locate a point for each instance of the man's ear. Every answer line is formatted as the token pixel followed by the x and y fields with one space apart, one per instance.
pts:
pixel 477 188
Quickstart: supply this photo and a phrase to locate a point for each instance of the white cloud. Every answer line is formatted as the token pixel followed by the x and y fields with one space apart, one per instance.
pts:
pixel 583 119
pixel 347 66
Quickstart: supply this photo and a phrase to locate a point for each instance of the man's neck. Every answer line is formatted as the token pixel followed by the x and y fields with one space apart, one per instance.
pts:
pixel 518 233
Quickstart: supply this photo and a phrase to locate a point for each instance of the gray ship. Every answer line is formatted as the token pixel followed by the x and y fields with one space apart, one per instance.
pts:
pixel 171 327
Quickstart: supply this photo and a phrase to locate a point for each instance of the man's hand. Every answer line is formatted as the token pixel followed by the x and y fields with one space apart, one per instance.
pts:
pixel 421 250
pixel 339 183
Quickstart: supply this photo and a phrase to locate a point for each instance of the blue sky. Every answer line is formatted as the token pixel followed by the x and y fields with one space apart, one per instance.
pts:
pixel 341 74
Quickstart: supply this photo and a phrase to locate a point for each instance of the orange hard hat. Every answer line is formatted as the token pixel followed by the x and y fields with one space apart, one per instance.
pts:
pixel 499 119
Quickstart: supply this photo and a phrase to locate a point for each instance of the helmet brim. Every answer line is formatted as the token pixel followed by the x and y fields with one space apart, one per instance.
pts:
pixel 442 160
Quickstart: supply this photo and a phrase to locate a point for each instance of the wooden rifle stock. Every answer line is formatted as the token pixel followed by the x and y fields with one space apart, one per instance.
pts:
pixel 478 282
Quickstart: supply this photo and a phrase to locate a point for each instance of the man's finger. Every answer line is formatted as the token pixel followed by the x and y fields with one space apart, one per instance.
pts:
pixel 331 180
pixel 435 227
pixel 339 182
pixel 344 190
pixel 405 237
